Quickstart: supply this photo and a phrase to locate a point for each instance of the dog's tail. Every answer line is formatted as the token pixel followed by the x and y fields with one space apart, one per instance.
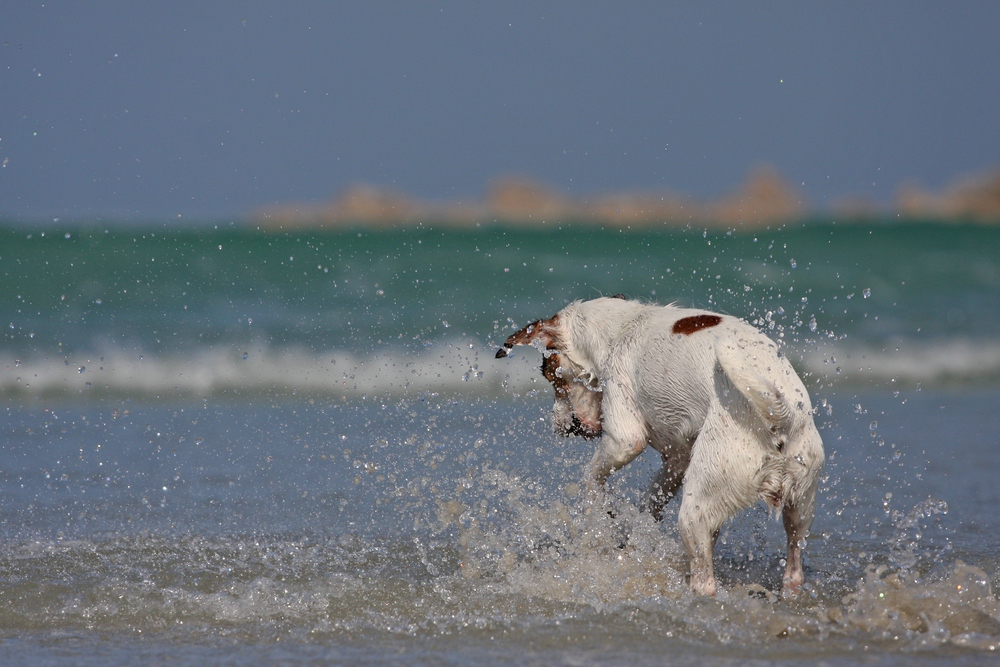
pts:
pixel 775 481
pixel 764 396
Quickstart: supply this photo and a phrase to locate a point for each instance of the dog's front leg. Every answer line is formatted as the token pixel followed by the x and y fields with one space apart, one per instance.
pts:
pixel 624 435
pixel 612 454
pixel 665 484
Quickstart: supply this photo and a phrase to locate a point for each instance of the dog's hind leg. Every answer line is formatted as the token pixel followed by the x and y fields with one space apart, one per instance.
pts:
pixel 700 517
pixel 795 529
pixel 797 518
pixel 806 463
pixel 719 482
pixel 698 534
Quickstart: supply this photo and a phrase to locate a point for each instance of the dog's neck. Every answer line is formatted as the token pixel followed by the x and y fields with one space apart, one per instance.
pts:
pixel 588 326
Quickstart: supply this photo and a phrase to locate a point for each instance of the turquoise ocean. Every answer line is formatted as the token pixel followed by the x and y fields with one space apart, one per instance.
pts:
pixel 222 445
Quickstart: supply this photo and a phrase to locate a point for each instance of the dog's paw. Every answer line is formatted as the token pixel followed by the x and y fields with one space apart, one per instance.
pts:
pixel 791 590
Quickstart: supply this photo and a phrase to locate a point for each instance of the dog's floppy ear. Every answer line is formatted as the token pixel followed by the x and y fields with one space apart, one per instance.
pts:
pixel 540 330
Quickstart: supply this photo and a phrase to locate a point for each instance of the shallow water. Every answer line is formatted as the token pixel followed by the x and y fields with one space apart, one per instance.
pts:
pixel 223 446
pixel 446 530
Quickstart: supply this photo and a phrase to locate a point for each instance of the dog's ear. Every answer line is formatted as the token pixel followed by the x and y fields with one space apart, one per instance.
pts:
pixel 539 330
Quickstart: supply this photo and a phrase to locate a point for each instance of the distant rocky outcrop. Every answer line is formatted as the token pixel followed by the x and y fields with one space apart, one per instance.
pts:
pixel 764 199
pixel 972 198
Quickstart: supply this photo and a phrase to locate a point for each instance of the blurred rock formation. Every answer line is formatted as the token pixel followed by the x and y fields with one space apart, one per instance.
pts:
pixel 766 198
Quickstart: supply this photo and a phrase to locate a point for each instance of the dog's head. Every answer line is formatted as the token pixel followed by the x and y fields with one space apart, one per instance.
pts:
pixel 577 406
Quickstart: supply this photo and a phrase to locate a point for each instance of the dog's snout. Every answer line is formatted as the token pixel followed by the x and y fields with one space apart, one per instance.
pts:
pixel 503 352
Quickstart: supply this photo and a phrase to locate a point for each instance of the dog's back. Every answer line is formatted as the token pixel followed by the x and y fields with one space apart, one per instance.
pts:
pixel 687 363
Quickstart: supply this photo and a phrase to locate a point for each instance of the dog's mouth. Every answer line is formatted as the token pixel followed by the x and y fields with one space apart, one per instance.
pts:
pixel 578 428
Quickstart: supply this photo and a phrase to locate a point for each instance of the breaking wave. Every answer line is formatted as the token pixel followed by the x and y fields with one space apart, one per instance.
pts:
pixel 450 367
pixel 960 361
pixel 464 367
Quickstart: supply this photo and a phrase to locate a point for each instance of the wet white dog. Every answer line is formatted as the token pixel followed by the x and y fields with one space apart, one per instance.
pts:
pixel 714 396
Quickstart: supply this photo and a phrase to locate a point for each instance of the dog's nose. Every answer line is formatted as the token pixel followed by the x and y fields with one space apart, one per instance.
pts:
pixel 503 352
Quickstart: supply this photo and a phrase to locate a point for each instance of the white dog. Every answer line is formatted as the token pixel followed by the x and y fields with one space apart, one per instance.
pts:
pixel 714 396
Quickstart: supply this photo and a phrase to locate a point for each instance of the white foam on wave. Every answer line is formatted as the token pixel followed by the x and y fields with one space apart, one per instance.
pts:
pixel 454 366
pixel 955 361
pixel 457 366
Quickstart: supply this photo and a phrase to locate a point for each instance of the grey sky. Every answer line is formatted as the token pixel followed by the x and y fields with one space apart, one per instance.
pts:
pixel 136 110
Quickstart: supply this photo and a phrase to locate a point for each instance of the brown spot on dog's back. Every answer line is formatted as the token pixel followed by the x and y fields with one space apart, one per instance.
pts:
pixel 688 325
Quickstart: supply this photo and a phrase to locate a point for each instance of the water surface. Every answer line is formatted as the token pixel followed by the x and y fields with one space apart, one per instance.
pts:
pixel 227 446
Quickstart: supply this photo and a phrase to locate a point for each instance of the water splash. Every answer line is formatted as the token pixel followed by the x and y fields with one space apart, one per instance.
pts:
pixel 905 545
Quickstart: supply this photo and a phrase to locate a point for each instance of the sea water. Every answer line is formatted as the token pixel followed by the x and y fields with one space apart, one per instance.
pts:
pixel 232 446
